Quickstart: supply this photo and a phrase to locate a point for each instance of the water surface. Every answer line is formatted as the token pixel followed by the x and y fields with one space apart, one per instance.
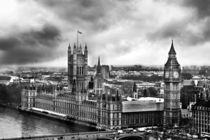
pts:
pixel 14 123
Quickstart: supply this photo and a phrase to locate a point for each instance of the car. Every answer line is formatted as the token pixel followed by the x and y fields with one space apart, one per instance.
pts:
pixel 120 131
pixel 149 131
pixel 195 136
pixel 141 129
pixel 129 130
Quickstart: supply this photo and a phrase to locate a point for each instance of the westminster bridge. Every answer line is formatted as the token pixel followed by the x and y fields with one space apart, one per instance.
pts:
pixel 102 135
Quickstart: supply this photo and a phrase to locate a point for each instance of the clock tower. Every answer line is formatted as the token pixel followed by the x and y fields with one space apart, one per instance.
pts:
pixel 172 81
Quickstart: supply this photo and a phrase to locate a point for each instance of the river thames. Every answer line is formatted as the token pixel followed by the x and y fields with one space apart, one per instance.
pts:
pixel 14 123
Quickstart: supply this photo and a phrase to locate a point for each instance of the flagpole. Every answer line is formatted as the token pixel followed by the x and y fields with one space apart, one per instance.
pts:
pixel 77 39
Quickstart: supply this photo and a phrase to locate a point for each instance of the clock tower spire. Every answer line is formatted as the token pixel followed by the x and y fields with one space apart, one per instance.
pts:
pixel 172 81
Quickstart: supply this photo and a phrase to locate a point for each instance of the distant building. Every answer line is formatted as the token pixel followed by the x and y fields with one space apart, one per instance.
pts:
pixel 146 111
pixel 105 71
pixel 194 70
pixel 196 79
pixel 5 80
pixel 189 93
pixel 145 85
pixel 201 116
pixel 172 81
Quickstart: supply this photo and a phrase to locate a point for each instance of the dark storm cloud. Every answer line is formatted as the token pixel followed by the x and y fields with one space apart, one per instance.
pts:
pixel 9 42
pixel 121 31
pixel 202 7
pixel 179 29
pixel 46 37
pixel 88 14
pixel 170 30
pixel 35 45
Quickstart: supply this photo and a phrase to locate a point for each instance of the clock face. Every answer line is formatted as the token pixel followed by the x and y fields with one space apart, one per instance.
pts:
pixel 176 74
pixel 166 74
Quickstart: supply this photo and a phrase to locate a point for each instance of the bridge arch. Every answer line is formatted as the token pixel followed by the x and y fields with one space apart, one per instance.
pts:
pixel 104 139
pixel 131 138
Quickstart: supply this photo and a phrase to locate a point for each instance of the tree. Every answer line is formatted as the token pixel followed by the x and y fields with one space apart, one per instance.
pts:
pixel 10 95
pixel 186 76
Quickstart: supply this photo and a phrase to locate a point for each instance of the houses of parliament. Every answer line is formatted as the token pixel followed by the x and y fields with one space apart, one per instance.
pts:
pixel 102 105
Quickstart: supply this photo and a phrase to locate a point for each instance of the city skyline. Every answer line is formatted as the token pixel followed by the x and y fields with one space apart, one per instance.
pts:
pixel 121 32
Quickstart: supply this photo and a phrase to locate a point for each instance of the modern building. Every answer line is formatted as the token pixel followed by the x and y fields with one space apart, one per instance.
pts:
pixel 105 71
pixel 194 70
pixel 201 117
pixel 172 81
pixel 146 111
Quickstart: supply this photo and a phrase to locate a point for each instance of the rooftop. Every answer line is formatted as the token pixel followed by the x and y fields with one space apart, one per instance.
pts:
pixel 143 105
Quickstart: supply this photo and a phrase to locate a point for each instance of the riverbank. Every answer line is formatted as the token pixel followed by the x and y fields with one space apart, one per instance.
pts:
pixel 95 135
pixel 9 105
pixel 15 123
pixel 64 119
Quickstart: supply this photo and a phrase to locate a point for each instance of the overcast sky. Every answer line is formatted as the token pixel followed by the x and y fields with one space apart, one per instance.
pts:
pixel 121 32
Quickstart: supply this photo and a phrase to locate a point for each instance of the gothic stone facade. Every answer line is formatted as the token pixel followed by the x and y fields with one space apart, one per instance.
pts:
pixel 105 110
pixel 172 81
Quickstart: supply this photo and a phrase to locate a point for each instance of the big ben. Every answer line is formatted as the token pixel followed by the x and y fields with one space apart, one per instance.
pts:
pixel 172 81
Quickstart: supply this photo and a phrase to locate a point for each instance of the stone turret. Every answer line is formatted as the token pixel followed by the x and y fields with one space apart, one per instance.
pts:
pixel 86 51
pixel 98 66
pixel 77 70
pixel 98 80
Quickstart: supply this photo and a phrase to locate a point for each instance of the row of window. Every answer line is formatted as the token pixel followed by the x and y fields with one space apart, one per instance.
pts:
pixel 65 107
pixel 201 113
pixel 172 104
pixel 149 118
pixel 80 85
pixel 44 106
pixel 173 95
pixel 115 115
pixel 88 108
pixel 80 70
pixel 111 122
pixel 114 107
pixel 88 115
pixel 202 128
pixel 115 123
pixel 171 86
